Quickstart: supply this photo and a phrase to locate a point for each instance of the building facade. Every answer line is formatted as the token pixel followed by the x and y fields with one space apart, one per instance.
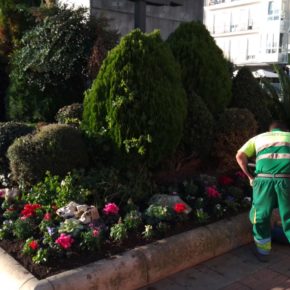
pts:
pixel 121 14
pixel 250 32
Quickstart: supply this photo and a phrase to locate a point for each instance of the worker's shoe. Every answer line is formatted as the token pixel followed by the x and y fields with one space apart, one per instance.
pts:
pixel 261 257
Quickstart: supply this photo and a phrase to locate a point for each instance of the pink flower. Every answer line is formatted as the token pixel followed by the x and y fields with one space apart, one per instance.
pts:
pixel 33 245
pixel 225 180
pixel 65 241
pixel 179 207
pixel 95 232
pixel 47 216
pixel 111 208
pixel 212 192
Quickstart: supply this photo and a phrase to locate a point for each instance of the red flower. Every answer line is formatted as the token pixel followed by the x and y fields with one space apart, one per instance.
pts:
pixel 212 192
pixel 179 207
pixel 33 245
pixel 29 210
pixel 225 180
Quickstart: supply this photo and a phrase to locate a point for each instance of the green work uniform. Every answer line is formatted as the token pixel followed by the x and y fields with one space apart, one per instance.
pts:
pixel 272 151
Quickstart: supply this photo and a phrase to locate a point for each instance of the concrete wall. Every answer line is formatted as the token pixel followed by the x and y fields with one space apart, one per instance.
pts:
pixel 121 13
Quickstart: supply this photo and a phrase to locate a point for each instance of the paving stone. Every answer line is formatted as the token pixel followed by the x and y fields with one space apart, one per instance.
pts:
pixel 236 286
pixel 264 279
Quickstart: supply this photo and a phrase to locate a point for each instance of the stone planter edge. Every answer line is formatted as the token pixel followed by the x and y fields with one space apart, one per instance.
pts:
pixel 138 267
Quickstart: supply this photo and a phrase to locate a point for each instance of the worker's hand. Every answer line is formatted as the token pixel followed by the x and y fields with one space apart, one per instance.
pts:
pixel 251 181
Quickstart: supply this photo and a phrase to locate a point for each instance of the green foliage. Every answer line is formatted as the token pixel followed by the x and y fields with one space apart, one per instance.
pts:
pixel 41 256
pixel 67 114
pixel 285 88
pixel 53 190
pixel 49 70
pixel 148 232
pixel 204 69
pixel 248 94
pixel 15 18
pixel 234 127
pixel 104 39
pixel 133 220
pixel 137 98
pixel 23 229
pixel 277 108
pixel 55 148
pixel 198 128
pixel 91 240
pixel 71 226
pixel 9 131
pixel 118 232
pixel 156 213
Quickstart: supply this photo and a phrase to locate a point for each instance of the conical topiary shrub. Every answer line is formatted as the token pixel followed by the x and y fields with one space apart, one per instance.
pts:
pixel 138 98
pixel 248 94
pixel 204 69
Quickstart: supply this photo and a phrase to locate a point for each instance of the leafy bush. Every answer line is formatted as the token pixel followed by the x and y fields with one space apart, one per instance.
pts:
pixel 248 94
pixel 55 148
pixel 198 128
pixel 71 114
pixel 137 98
pixel 234 127
pixel 204 69
pixel 9 131
pixel 49 70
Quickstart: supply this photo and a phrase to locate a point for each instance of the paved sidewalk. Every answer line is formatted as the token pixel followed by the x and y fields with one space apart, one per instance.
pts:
pixel 235 270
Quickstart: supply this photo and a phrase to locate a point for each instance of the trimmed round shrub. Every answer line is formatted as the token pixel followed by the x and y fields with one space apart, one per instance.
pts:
pixel 71 114
pixel 137 98
pixel 198 128
pixel 234 127
pixel 204 69
pixel 9 131
pixel 248 94
pixel 55 148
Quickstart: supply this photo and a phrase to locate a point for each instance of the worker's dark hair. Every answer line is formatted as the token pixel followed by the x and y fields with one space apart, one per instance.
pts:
pixel 277 124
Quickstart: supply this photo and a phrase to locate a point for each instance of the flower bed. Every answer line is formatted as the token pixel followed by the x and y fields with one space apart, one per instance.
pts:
pixel 39 231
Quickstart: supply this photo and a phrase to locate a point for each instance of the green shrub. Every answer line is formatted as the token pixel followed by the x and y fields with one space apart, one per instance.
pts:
pixel 198 128
pixel 55 148
pixel 248 94
pixel 9 131
pixel 137 98
pixel 49 70
pixel 204 69
pixel 234 127
pixel 71 114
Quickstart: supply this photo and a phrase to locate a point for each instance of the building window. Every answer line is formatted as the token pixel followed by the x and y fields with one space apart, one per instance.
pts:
pixel 273 10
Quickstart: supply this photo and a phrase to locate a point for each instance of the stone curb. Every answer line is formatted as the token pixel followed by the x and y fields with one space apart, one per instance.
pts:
pixel 138 267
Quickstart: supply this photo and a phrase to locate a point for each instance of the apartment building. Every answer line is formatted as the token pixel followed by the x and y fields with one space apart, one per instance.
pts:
pixel 160 14
pixel 250 32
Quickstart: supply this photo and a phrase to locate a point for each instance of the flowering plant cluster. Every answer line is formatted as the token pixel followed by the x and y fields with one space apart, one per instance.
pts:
pixel 33 218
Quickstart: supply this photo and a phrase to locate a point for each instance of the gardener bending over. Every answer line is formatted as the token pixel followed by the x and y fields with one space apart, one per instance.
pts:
pixel 271 185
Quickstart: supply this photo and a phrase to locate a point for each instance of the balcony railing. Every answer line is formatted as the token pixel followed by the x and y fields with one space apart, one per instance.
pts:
pixel 233 28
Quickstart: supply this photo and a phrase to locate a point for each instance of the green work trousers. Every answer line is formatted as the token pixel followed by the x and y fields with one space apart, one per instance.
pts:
pixel 269 193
